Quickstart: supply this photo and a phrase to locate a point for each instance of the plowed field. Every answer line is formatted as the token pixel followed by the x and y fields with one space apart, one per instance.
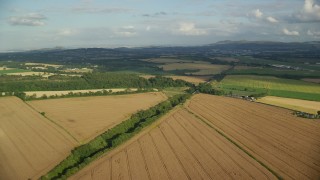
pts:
pixel 30 145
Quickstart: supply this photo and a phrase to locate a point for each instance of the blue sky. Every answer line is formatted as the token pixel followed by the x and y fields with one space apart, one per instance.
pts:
pixel 35 24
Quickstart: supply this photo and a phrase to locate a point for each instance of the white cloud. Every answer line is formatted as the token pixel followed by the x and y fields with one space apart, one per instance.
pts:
pixel 272 19
pixel 107 10
pixel 189 29
pixel 126 31
pixel 257 13
pixel 31 19
pixel 314 33
pixel 310 12
pixel 66 32
pixel 290 33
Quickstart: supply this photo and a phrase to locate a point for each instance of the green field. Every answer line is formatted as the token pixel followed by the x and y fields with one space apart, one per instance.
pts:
pixel 276 72
pixel 13 71
pixel 271 86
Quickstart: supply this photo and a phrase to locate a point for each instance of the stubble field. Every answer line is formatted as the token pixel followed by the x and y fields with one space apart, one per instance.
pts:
pixel 288 145
pixel 87 117
pixel 180 147
pixel 30 144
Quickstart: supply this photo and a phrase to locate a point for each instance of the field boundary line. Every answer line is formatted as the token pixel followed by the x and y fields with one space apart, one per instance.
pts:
pixel 188 149
pixel 236 144
pixel 174 151
pixel 144 158
pixel 60 126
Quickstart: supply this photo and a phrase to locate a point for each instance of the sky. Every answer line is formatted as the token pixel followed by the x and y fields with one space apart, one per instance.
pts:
pixel 37 24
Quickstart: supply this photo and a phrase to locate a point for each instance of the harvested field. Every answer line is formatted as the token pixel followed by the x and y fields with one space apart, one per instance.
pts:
pixel 87 117
pixel 4 68
pixel 30 144
pixel 59 93
pixel 180 147
pixel 288 145
pixel 43 64
pixel 295 104
pixel 192 79
pixel 311 80
pixel 204 68
pixel 166 60
pixel 227 59
pixel 43 74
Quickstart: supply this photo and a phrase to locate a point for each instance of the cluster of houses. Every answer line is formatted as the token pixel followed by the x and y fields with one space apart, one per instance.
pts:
pixel 306 115
pixel 284 66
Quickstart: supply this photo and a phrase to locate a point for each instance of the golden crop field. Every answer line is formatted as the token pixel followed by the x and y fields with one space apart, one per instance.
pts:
pixel 30 145
pixel 87 117
pixel 295 104
pixel 60 93
pixel 180 147
pixel 288 145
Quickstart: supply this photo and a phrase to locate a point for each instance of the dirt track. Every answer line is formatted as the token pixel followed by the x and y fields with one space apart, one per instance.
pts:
pixel 30 145
pixel 288 145
pixel 181 147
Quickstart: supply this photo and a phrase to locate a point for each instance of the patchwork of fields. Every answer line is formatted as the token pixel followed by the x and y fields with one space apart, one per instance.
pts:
pixel 272 86
pixel 87 117
pixel 288 145
pixel 181 147
pixel 30 144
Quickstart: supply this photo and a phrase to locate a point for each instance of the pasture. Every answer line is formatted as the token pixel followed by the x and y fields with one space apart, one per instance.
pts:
pixel 287 145
pixel 180 147
pixel 87 117
pixel 272 86
pixel 31 145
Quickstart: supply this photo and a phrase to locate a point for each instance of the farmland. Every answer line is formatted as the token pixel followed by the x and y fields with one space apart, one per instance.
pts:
pixel 286 144
pixel 179 146
pixel 30 144
pixel 199 68
pixel 60 93
pixel 272 86
pixel 294 104
pixel 192 79
pixel 87 117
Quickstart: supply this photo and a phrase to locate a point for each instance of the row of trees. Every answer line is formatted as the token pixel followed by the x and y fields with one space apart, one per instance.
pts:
pixel 86 153
pixel 88 81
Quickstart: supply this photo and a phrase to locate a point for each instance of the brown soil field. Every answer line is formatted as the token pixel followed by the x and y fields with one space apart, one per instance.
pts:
pixel 31 145
pixel 59 93
pixel 192 79
pixel 87 117
pixel 204 68
pixel 295 104
pixel 246 67
pixel 180 147
pixel 167 60
pixel 5 68
pixel 227 59
pixel 288 145
pixel 311 80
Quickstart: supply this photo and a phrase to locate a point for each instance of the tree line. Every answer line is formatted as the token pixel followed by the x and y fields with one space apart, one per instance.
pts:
pixel 87 81
pixel 84 154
